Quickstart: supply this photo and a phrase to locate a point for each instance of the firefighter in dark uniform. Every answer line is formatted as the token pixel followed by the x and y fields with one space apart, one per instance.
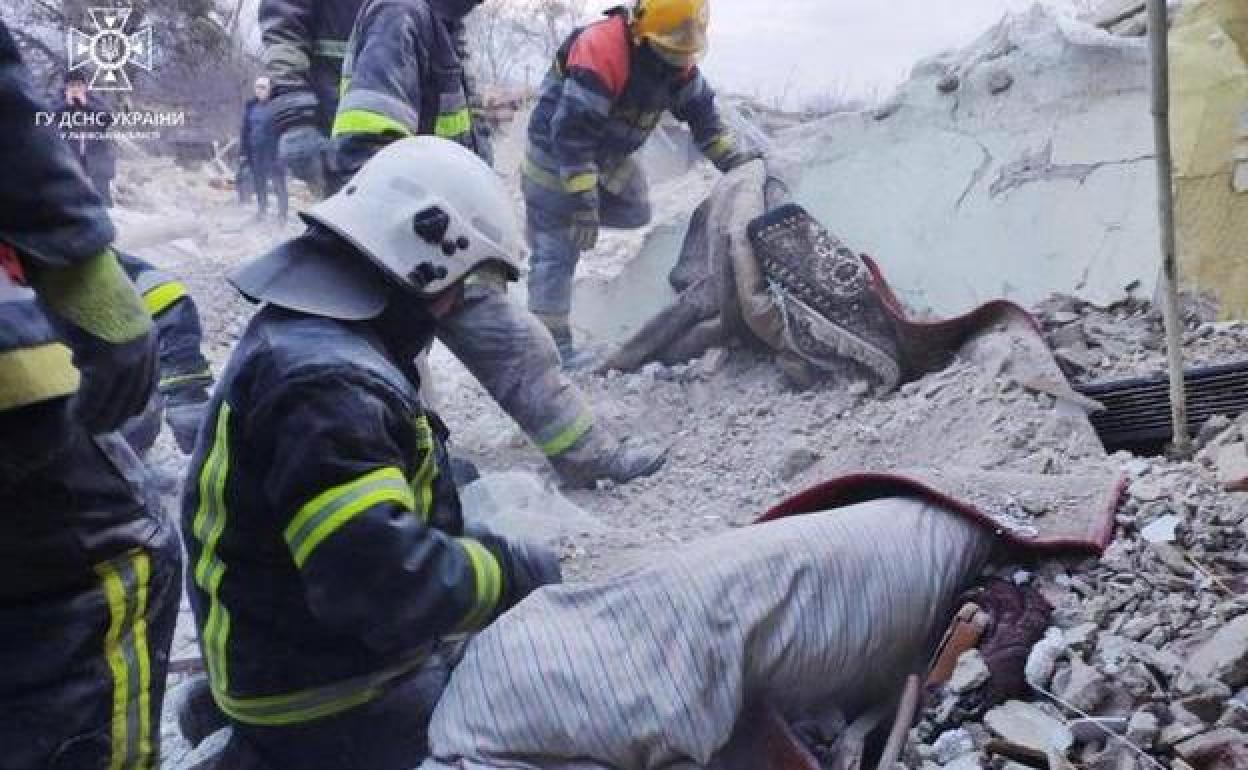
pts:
pixel 610 84
pixel 89 571
pixel 185 376
pixel 403 77
pixel 304 45
pixel 327 552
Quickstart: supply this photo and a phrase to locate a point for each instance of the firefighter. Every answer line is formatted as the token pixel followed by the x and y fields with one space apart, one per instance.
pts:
pixel 185 376
pixel 610 84
pixel 89 571
pixel 403 78
pixel 304 44
pixel 323 530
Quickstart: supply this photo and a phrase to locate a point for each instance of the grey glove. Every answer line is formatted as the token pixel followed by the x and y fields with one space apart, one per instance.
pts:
pixel 585 221
pixel 302 149
pixel 526 567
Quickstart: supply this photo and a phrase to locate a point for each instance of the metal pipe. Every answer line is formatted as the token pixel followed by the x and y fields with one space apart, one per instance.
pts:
pixel 1159 34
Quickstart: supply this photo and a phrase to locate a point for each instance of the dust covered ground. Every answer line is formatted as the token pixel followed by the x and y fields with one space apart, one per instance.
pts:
pixel 1147 660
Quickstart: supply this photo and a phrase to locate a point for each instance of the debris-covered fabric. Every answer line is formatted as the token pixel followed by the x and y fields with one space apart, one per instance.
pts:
pixel 654 667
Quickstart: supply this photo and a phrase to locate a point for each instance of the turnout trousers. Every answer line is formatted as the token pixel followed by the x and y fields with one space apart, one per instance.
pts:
pixel 90 581
pixel 623 202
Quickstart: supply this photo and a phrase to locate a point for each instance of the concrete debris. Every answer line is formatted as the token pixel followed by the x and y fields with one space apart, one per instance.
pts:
pixel 1224 656
pixel 1029 728
pixel 797 458
pixel 1231 461
pixel 969 674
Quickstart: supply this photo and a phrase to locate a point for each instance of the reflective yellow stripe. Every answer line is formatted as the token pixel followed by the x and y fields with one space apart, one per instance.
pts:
pixel 31 375
pixel 452 125
pixel 207 526
pixel 314 703
pixel 125 582
pixel 719 146
pixel 422 481
pixel 160 298
pixel 366 122
pixel 204 376
pixel 335 49
pixel 326 513
pixel 579 183
pixel 488 579
pixel 565 438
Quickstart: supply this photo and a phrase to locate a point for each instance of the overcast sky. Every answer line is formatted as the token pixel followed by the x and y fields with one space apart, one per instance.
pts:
pixel 787 47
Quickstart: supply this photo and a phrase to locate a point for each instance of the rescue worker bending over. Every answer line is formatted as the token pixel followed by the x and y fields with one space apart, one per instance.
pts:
pixel 322 526
pixel 402 78
pixel 89 572
pixel 610 84
pixel 185 376
pixel 304 44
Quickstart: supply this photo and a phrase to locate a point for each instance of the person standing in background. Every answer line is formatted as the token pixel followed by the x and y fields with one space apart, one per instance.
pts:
pixel 88 138
pixel 258 142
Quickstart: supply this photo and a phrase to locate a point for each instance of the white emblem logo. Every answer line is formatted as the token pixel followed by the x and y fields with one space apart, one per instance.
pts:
pixel 109 49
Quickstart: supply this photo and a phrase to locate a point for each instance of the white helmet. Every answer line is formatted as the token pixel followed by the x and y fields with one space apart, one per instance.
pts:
pixel 425 211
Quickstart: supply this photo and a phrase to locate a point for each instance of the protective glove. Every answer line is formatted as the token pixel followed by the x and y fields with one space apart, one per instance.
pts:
pixel 526 567
pixel 585 221
pixel 300 146
pixel 185 405
pixel 302 149
pixel 100 316
pixel 294 109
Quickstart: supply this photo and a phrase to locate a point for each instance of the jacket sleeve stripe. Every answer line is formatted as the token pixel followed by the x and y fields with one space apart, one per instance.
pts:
pixel 159 299
pixel 333 508
pixel 488 577
pixel 383 111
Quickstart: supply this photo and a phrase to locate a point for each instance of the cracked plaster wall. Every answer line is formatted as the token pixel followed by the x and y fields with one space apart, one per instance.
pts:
pixel 980 191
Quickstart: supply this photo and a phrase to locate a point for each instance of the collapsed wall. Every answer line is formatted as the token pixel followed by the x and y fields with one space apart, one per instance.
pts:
pixel 1019 166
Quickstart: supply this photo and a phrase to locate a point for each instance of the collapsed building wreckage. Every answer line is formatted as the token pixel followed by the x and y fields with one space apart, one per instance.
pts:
pixel 1112 684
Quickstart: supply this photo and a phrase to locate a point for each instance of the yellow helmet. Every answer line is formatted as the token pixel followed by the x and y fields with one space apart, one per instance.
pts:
pixel 675 29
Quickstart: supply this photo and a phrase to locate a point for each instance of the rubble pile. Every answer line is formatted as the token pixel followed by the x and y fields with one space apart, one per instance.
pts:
pixel 1127 338
pixel 1146 662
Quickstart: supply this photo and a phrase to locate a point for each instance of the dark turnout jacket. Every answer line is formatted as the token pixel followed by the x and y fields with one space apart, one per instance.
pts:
pixel 602 99
pixel 321 531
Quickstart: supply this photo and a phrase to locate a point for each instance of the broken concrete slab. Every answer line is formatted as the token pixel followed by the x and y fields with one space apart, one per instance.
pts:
pixel 1029 728
pixel 1220 749
pixel 1231 462
pixel 970 673
pixel 1225 655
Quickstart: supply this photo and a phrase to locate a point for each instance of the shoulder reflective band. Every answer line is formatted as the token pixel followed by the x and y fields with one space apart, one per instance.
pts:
pixel 488 578
pixel 207 527
pixel 160 298
pixel 326 513
pixel 40 373
pixel 125 582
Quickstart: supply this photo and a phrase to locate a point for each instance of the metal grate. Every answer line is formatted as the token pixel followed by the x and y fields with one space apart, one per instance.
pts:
pixel 1137 410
